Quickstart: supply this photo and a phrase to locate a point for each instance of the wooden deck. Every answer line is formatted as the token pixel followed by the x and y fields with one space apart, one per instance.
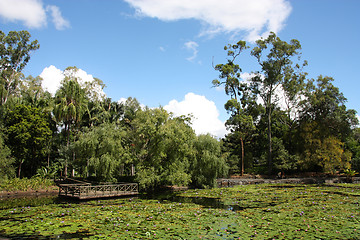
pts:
pixel 87 191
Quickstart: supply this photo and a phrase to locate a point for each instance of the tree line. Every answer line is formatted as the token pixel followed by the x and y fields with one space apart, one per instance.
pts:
pixel 78 132
pixel 281 121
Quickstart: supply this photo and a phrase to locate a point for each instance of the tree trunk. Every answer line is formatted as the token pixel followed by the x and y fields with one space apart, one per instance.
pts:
pixel 19 170
pixel 73 170
pixel 242 156
pixel 48 161
pixel 269 142
pixel 87 168
pixel 7 88
pixel 269 160
pixel 67 130
pixel 132 170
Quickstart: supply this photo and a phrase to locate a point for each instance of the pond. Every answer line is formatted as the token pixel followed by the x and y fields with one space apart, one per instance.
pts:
pixel 266 211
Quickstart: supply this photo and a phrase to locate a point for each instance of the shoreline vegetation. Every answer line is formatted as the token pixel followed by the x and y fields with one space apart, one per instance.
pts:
pixel 27 186
pixel 38 186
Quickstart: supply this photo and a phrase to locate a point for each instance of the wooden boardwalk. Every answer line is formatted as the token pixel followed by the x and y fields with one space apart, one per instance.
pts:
pixel 88 191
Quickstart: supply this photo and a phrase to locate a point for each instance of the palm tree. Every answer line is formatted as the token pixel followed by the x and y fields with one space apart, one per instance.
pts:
pixel 70 105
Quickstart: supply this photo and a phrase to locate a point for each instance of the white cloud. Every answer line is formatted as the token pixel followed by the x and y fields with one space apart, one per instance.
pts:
pixel 205 114
pixel 122 100
pixel 53 76
pixel 31 13
pixel 85 78
pixel 58 20
pixel 193 47
pixel 255 18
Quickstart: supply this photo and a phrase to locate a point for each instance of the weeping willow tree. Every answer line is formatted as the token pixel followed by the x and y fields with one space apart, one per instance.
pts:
pixel 102 152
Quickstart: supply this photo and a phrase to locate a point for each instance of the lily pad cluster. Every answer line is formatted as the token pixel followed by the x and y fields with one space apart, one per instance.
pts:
pixel 243 212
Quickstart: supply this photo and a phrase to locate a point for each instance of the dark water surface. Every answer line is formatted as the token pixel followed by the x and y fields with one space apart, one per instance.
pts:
pixel 35 201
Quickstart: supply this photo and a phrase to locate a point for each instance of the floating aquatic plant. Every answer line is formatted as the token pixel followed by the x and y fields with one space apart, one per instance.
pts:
pixel 245 212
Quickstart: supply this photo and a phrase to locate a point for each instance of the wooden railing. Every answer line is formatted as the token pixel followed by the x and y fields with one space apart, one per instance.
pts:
pixel 87 191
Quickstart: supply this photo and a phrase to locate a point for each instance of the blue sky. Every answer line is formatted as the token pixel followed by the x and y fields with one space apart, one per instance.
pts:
pixel 161 51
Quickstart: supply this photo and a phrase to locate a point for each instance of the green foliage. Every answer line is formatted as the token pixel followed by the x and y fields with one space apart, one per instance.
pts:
pixel 325 127
pixel 241 100
pixel 325 105
pixel 100 151
pixel 161 145
pixel 46 173
pixel 156 147
pixel 98 138
pixel 353 144
pixel 70 105
pixel 34 95
pixel 230 72
pixel 104 111
pixel 312 130
pixel 277 70
pixel 350 173
pixel 209 163
pixel 15 50
pixel 306 122
pixel 28 132
pixel 283 160
pixel 26 184
pixel 327 153
pixel 6 161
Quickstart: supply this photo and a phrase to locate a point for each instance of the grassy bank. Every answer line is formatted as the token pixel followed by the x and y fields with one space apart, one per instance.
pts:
pixel 26 184
pixel 269 211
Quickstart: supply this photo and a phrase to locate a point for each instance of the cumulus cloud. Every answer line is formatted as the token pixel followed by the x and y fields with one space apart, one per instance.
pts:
pixel 253 18
pixel 58 20
pixel 31 13
pixel 204 112
pixel 53 76
pixel 193 47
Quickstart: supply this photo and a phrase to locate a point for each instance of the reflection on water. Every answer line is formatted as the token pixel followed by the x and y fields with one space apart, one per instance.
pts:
pixel 34 201
pixel 31 201
pixel 205 202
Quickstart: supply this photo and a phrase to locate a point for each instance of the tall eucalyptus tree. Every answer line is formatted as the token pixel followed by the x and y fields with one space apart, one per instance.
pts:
pixel 240 122
pixel 15 49
pixel 277 69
